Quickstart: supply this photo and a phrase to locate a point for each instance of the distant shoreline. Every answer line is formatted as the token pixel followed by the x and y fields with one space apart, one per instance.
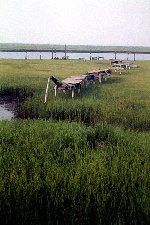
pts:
pixel 75 51
pixel 12 47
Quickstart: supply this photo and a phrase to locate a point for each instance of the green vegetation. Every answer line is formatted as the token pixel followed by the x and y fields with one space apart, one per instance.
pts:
pixel 40 47
pixel 75 161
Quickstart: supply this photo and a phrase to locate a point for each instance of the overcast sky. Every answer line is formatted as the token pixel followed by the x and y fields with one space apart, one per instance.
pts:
pixel 89 22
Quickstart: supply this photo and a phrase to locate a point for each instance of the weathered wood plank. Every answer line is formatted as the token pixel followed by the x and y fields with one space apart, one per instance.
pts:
pixel 78 77
pixel 71 81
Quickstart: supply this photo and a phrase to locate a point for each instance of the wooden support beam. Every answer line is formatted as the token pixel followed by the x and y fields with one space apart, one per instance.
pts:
pixel 100 78
pixel 65 52
pixel 72 93
pixel 52 53
pixel 46 93
pixel 55 88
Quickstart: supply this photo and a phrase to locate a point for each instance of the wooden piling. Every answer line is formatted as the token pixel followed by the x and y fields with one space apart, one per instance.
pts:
pixel 65 52
pixel 52 53
pixel 26 56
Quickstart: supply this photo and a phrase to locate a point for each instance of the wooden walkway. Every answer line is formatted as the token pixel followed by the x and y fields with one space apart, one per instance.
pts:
pixel 121 65
pixel 73 83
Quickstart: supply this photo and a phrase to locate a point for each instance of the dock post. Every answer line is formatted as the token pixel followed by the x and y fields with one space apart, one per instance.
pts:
pixel 26 56
pixel 65 52
pixel 55 88
pixel 79 90
pixel 72 93
pixel 128 56
pixel 100 78
pixel 134 56
pixel 115 55
pixel 52 54
pixel 46 92
pixel 90 56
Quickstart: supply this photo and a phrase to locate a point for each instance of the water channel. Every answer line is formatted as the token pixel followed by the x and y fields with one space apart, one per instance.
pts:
pixel 8 108
pixel 5 113
pixel 48 55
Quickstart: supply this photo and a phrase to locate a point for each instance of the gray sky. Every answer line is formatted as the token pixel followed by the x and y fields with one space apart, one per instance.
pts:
pixel 89 22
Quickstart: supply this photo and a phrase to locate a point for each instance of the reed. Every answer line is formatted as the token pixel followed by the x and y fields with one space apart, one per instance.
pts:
pixel 61 172
pixel 83 160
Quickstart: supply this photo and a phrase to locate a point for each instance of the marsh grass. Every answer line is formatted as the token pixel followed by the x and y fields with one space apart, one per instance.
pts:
pixel 82 160
pixel 52 172
pixel 116 101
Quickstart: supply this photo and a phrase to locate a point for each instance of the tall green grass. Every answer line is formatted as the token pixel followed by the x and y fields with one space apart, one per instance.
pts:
pixel 83 160
pixel 121 100
pixel 66 173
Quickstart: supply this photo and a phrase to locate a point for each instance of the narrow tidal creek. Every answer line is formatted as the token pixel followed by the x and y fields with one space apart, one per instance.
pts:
pixel 7 109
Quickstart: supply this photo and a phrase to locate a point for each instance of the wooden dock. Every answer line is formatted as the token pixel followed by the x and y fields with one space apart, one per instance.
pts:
pixel 73 83
pixel 121 65
pixel 76 82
